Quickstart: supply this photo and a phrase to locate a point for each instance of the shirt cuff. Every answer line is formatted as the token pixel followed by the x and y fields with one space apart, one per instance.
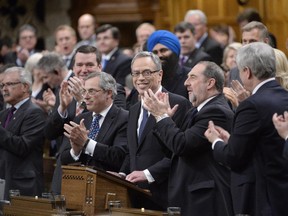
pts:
pixel 159 118
pixel 213 144
pixel 90 147
pixel 63 115
pixel 148 176
pixel 73 155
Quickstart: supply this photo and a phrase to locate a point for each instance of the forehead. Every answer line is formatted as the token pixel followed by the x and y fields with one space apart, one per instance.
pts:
pixel 159 46
pixel 63 32
pixel 143 62
pixel 186 32
pixel 86 20
pixel 10 76
pixel 92 82
pixel 254 33
pixel 194 19
pixel 26 32
pixel 85 57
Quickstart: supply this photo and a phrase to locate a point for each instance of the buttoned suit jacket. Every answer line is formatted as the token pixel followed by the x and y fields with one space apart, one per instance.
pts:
pixel 119 66
pixel 21 150
pixel 255 154
pixel 151 153
pixel 197 183
pixel 196 56
pixel 213 48
pixel 111 147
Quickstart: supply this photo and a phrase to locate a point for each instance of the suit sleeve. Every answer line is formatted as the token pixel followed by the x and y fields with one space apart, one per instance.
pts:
pixel 120 98
pixel 285 151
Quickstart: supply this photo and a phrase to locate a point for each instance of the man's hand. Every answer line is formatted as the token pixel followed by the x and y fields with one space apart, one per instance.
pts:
pixel 230 94
pixel 116 174
pixel 136 176
pixel 281 124
pixel 22 54
pixel 215 132
pixel 158 104
pixel 76 87
pixel 64 96
pixel 49 97
pixel 240 91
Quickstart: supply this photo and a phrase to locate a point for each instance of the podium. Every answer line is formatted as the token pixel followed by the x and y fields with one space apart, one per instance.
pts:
pixel 90 190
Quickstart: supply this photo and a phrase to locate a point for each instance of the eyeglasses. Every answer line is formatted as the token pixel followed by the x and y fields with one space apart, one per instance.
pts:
pixel 27 37
pixel 8 84
pixel 145 73
pixel 91 92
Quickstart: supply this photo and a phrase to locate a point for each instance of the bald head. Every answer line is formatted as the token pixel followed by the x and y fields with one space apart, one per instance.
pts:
pixel 86 26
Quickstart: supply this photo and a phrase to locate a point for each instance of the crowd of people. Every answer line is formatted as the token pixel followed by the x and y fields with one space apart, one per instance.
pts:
pixel 195 117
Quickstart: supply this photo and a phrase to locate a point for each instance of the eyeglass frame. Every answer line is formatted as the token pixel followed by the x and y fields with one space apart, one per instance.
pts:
pixel 9 84
pixel 148 73
pixel 89 91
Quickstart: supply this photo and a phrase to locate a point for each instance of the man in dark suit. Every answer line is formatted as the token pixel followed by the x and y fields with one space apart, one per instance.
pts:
pixel 114 61
pixel 281 125
pixel 108 148
pixel 204 42
pixel 197 183
pixel 190 55
pixel 254 150
pixel 148 161
pixel 87 59
pixel 22 137
pixel 27 41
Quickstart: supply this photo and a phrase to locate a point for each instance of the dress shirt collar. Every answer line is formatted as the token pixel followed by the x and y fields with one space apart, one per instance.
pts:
pixel 104 112
pixel 109 55
pixel 205 102
pixel 200 41
pixel 19 104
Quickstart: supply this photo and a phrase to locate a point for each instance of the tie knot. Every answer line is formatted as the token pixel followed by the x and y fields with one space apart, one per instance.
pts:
pixel 12 109
pixel 97 117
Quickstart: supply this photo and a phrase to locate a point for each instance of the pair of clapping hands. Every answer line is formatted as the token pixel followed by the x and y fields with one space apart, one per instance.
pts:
pixel 236 93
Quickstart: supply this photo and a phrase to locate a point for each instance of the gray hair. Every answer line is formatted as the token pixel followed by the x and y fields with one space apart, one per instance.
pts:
pixel 264 34
pixel 107 82
pixel 212 70
pixel 24 76
pixel 52 63
pixel 32 62
pixel 199 13
pixel 259 57
pixel 151 55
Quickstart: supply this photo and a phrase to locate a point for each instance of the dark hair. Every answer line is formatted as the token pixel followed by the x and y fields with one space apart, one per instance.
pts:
pixel 86 49
pixel 183 26
pixel 249 14
pixel 115 31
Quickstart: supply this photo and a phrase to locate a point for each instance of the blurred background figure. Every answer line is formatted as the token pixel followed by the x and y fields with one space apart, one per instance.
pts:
pixel 86 30
pixel 281 68
pixel 143 31
pixel 6 46
pixel 223 34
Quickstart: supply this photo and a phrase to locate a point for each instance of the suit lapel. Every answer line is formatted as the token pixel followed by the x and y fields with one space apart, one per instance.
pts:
pixel 18 114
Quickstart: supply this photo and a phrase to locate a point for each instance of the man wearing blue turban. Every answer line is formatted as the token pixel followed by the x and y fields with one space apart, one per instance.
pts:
pixel 167 46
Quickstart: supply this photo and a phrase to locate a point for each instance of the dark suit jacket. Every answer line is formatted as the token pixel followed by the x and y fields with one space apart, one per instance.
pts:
pixel 196 56
pixel 255 154
pixel 151 153
pixel 111 147
pixel 197 183
pixel 21 150
pixel 285 151
pixel 214 49
pixel 119 66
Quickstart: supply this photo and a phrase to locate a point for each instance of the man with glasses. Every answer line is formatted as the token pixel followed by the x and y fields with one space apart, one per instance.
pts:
pixel 106 148
pixel 27 40
pixel 148 161
pixel 22 135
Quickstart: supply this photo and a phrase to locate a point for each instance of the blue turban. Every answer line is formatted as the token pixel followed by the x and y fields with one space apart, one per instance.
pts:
pixel 165 38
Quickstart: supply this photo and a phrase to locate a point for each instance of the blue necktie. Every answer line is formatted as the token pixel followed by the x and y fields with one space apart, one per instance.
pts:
pixel 94 128
pixel 143 123
pixel 104 62
pixel 9 116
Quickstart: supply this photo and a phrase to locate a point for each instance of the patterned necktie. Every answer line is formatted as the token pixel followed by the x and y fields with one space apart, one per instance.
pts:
pixel 94 128
pixel 9 116
pixel 143 123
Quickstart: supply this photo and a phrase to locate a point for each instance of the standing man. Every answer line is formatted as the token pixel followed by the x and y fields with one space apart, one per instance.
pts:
pixel 107 149
pixel 254 149
pixel 27 40
pixel 199 20
pixel 22 138
pixel 66 40
pixel 114 61
pixel 190 55
pixel 86 30
pixel 197 183
pixel 148 161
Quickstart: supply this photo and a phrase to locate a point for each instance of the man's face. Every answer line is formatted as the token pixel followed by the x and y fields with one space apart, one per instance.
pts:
pixel 251 36
pixel 163 53
pixel 84 64
pixel 27 40
pixel 53 79
pixel 96 99
pixel 143 83
pixel 143 34
pixel 13 90
pixel 196 85
pixel 86 27
pixel 187 41
pixel 200 28
pixel 105 42
pixel 65 41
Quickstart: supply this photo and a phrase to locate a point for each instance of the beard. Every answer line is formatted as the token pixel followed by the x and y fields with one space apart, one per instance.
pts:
pixel 169 66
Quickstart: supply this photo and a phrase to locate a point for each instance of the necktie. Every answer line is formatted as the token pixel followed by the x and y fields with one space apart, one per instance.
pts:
pixel 94 128
pixel 191 116
pixel 9 116
pixel 104 62
pixel 143 123
pixel 182 61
